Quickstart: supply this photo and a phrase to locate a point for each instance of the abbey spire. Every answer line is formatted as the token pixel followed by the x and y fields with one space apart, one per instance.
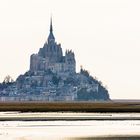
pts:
pixel 51 27
pixel 51 37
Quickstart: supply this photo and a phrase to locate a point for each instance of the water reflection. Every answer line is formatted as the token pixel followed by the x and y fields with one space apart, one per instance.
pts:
pixel 69 129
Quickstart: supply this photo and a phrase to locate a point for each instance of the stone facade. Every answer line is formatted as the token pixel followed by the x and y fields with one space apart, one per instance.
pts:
pixel 51 57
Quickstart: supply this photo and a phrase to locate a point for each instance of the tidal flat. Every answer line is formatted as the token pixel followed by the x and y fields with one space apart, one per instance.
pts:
pixel 69 121
pixel 89 128
pixel 108 138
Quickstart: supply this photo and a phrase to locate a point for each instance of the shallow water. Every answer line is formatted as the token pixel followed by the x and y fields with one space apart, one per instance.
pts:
pixel 70 129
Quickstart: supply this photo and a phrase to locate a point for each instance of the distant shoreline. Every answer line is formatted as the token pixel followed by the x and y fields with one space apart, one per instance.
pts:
pixel 129 137
pixel 35 106
pixel 68 119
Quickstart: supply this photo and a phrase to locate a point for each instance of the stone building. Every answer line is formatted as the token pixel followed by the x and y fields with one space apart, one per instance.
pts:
pixel 52 77
pixel 51 57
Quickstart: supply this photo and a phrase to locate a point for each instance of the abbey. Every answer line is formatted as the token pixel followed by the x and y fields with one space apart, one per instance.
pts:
pixel 50 57
pixel 52 76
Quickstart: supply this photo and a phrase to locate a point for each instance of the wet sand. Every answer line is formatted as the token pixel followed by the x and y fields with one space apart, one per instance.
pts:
pixel 70 130
pixel 69 116
pixel 107 138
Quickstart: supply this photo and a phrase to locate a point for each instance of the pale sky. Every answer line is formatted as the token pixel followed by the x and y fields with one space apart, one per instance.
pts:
pixel 104 34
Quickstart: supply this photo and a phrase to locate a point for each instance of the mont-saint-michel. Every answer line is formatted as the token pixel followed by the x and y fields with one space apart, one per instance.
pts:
pixel 52 77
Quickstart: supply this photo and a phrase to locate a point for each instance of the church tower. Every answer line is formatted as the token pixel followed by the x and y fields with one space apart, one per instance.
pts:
pixel 51 50
pixel 51 57
pixel 70 62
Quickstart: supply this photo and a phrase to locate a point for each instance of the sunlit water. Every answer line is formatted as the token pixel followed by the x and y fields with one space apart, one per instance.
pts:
pixel 70 129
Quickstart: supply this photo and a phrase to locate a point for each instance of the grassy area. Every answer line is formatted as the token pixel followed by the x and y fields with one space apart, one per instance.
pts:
pixel 71 106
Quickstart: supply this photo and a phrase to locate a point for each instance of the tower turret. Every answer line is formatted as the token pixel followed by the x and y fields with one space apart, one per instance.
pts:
pixel 70 61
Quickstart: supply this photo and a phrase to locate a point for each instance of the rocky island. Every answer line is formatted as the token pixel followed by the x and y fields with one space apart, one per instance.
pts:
pixel 52 77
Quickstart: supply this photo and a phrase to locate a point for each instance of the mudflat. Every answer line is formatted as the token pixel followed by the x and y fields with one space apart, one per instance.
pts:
pixel 34 106
pixel 108 138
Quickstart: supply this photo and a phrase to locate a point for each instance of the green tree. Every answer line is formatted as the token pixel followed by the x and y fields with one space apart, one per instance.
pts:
pixel 55 80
